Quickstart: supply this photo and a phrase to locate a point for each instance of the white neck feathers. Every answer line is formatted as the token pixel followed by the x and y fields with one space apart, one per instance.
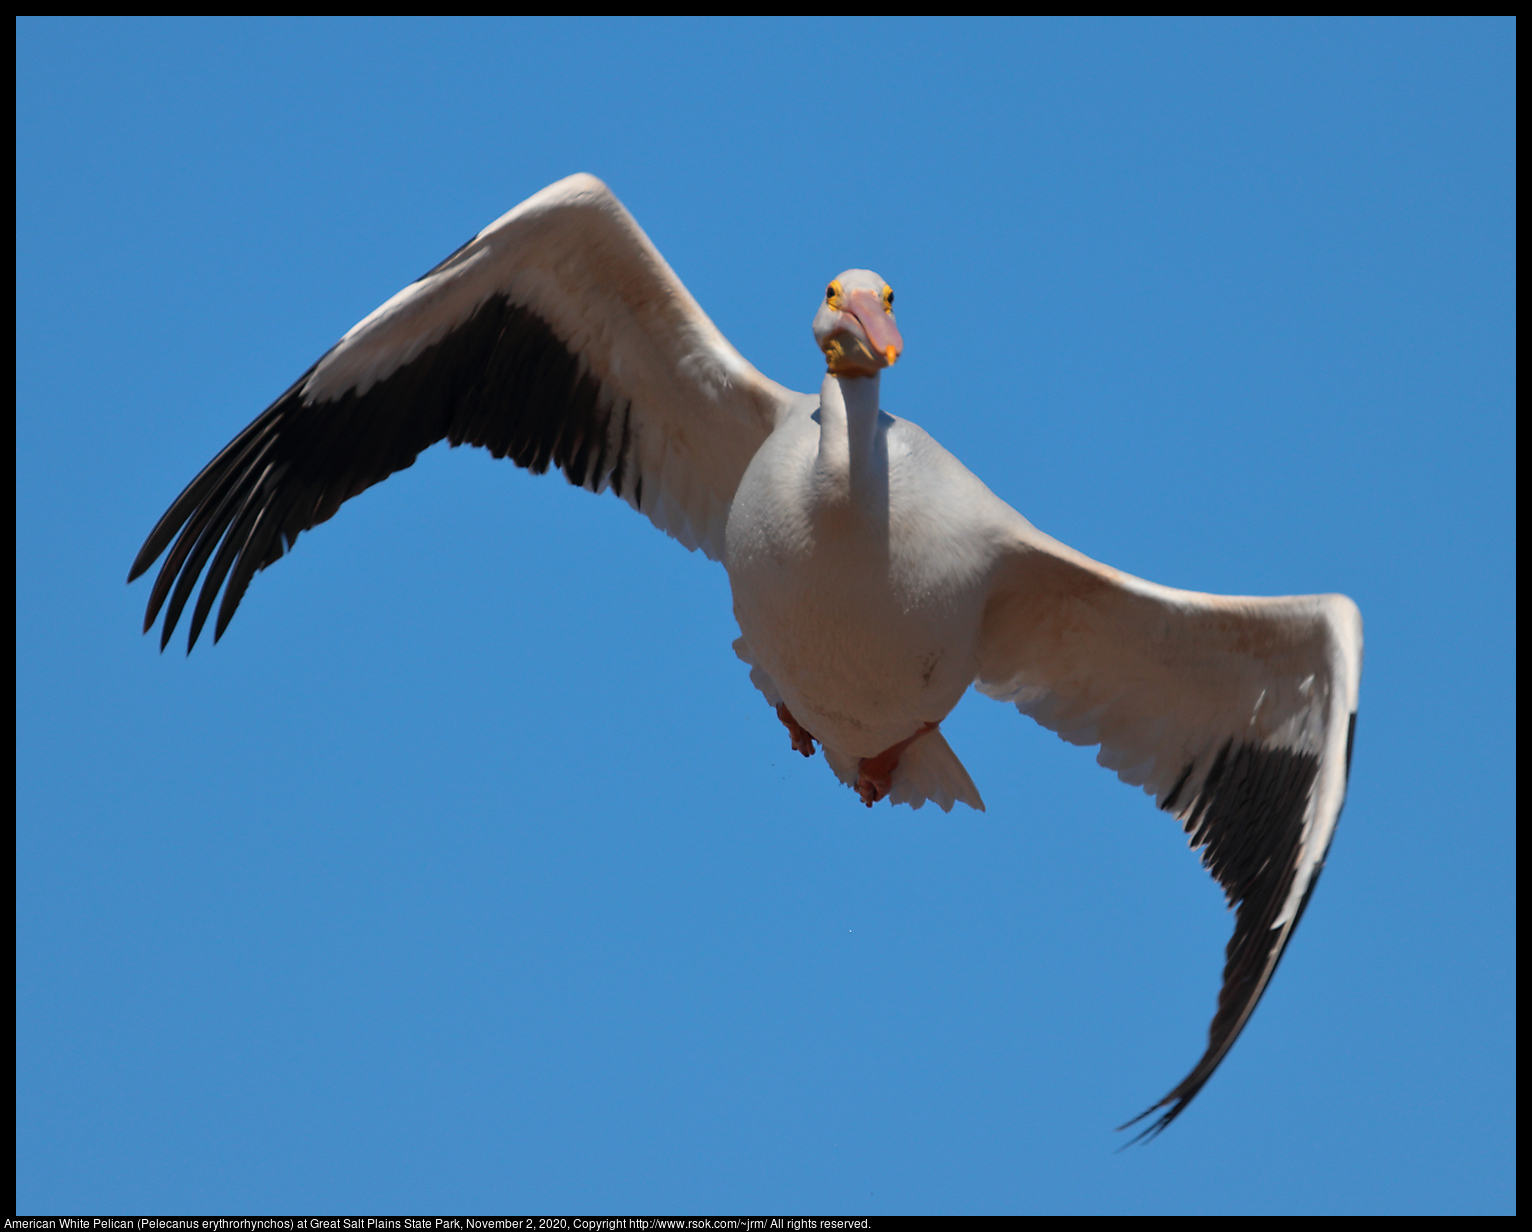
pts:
pixel 848 466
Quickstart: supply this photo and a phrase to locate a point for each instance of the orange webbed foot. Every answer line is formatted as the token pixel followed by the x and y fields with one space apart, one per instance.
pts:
pixel 875 775
pixel 802 741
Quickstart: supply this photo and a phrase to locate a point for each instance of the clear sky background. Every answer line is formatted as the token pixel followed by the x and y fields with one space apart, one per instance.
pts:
pixel 470 872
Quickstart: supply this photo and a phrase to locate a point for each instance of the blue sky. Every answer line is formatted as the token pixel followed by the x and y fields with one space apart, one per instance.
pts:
pixel 468 871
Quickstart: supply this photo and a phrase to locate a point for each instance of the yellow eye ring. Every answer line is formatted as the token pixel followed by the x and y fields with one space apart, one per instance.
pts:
pixel 833 294
pixel 888 298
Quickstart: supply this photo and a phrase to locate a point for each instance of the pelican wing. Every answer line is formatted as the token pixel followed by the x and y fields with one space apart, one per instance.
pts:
pixel 557 336
pixel 1236 714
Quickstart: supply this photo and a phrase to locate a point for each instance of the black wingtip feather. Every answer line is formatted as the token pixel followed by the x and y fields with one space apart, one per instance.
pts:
pixel 1248 818
pixel 502 380
pixel 212 488
pixel 203 535
pixel 233 540
pixel 1180 785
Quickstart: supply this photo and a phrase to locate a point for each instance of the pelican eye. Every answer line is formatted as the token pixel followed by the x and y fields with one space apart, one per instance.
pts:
pixel 832 293
pixel 888 299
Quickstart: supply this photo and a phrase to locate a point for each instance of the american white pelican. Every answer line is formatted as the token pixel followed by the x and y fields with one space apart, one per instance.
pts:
pixel 874 577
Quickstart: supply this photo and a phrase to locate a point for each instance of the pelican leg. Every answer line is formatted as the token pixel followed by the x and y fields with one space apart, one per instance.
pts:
pixel 875 775
pixel 802 741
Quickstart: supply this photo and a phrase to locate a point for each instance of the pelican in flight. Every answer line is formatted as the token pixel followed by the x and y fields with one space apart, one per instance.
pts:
pixel 874 576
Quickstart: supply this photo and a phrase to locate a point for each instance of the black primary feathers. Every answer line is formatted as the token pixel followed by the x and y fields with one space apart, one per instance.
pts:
pixel 502 380
pixel 1248 820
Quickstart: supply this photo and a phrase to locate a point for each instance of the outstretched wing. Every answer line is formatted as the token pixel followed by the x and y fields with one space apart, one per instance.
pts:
pixel 1236 714
pixel 557 336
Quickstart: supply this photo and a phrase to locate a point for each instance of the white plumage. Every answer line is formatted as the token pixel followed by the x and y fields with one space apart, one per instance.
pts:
pixel 874 577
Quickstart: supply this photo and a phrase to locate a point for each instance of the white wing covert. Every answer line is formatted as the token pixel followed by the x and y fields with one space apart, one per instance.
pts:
pixel 557 336
pixel 1237 714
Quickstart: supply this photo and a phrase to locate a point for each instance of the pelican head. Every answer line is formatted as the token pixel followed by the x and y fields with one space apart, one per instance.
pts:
pixel 855 324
